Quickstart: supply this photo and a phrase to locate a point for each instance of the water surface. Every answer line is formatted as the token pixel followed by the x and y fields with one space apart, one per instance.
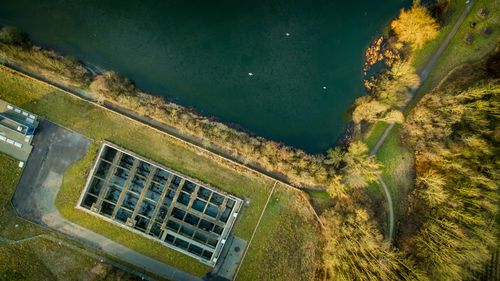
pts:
pixel 200 54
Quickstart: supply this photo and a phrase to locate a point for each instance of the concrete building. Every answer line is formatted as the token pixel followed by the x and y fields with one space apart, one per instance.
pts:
pixel 17 128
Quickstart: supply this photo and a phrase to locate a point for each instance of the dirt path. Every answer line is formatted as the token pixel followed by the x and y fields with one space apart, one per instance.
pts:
pixel 423 77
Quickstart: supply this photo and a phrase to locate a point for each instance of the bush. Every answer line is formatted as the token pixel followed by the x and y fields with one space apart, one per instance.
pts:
pixel 16 49
pixel 13 36
pixel 299 167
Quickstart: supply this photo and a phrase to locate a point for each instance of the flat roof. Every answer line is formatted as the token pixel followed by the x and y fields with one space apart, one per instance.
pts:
pixel 159 203
pixel 17 115
pixel 17 127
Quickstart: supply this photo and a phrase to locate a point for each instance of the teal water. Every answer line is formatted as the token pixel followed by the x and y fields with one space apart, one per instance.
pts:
pixel 199 54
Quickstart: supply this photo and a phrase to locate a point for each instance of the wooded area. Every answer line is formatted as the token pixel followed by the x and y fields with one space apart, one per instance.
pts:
pixel 455 134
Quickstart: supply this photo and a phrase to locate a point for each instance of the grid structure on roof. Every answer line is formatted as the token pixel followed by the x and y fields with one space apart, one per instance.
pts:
pixel 160 203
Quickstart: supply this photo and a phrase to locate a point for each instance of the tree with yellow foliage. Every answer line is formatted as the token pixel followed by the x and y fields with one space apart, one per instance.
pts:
pixel 415 26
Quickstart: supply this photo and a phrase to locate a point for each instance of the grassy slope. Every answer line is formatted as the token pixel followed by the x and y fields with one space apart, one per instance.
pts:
pixel 99 124
pixel 292 230
pixel 37 259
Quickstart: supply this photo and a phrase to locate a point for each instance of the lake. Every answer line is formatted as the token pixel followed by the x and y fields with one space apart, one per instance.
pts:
pixel 284 70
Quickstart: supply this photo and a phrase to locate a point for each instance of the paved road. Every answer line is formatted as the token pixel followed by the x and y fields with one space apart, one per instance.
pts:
pixel 55 149
pixel 423 77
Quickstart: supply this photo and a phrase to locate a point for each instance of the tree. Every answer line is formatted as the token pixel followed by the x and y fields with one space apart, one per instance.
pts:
pixel 369 111
pixel 111 86
pixel 13 36
pixel 415 26
pixel 454 132
pixel 360 169
pixel 406 74
pixel 394 116
pixel 334 157
pixel 355 248
pixel 395 86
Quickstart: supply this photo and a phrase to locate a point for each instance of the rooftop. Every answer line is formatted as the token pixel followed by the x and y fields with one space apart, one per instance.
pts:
pixel 17 128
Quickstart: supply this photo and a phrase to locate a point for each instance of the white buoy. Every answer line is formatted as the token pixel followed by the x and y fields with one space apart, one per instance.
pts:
pixel 250 74
pixel 287 34
pixel 324 87
pixel 17 225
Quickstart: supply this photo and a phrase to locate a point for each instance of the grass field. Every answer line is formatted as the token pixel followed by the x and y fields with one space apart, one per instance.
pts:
pixel 292 230
pixel 397 173
pixel 9 176
pixel 458 51
pixel 39 259
pixel 99 124
pixel 46 260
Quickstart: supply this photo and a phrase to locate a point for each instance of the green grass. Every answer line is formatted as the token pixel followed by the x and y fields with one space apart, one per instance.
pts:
pixel 38 259
pixel 458 52
pixel 398 175
pixel 373 134
pixel 46 260
pixel 99 125
pixel 320 200
pixel 9 176
pixel 398 169
pixel 287 228
pixel 424 54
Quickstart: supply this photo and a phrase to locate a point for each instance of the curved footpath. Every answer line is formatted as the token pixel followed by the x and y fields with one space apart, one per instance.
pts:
pixel 423 77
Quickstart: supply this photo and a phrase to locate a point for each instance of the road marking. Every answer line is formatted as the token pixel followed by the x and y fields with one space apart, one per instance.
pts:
pixel 255 230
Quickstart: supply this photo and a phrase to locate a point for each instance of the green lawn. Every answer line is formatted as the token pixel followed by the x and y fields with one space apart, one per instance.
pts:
pixel 420 57
pixel 458 52
pixel 46 260
pixel 38 259
pixel 373 134
pixel 99 124
pixel 320 200
pixel 9 176
pixel 292 229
